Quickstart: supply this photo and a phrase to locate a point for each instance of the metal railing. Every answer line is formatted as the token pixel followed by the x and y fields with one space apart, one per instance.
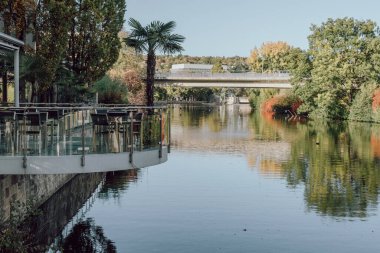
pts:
pixel 58 130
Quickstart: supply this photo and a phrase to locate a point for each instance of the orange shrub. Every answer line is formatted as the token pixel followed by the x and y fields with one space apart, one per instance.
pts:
pixel 376 100
pixel 375 145
pixel 267 106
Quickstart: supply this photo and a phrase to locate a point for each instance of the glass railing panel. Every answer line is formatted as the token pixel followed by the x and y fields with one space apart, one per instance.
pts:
pixel 76 131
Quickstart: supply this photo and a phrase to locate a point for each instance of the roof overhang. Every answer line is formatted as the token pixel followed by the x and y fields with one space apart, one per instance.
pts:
pixel 9 43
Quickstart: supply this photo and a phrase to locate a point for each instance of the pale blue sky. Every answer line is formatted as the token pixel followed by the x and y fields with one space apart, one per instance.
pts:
pixel 234 27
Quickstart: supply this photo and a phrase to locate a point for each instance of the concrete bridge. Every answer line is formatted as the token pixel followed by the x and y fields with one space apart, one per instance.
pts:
pixel 227 80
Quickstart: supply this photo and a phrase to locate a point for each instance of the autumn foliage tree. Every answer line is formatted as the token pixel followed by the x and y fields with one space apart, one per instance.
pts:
pixel 270 57
pixel 136 87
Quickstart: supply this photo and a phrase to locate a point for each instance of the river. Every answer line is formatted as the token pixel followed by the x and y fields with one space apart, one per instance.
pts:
pixel 237 181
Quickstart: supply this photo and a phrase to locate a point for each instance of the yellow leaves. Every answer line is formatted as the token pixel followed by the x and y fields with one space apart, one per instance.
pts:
pixel 274 48
pixel 269 57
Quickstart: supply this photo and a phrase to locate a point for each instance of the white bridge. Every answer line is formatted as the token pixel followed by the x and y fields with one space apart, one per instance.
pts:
pixel 227 80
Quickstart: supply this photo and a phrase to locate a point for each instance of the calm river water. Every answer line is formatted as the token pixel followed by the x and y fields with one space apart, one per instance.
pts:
pixel 238 181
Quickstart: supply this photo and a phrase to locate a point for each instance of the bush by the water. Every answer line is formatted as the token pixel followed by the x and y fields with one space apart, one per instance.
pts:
pixel 361 109
pixel 282 104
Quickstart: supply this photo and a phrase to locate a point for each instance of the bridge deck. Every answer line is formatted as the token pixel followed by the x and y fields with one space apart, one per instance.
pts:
pixel 230 80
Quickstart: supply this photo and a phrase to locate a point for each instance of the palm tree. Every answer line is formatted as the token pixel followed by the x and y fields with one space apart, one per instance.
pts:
pixel 157 36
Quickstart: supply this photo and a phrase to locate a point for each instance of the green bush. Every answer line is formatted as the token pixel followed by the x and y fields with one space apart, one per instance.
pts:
pixel 111 91
pixel 361 109
pixel 332 104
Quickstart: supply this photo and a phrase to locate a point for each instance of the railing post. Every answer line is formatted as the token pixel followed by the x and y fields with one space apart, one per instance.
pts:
pixel 131 138
pixel 169 126
pixel 161 139
pixel 82 160
pixel 24 159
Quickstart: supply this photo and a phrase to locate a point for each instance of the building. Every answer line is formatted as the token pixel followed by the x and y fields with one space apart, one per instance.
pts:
pixel 191 68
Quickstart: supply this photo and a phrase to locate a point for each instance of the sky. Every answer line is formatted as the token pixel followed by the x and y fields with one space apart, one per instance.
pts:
pixel 235 27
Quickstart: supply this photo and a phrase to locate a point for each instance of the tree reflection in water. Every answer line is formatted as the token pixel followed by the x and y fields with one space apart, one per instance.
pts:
pixel 337 162
pixel 85 236
pixel 116 183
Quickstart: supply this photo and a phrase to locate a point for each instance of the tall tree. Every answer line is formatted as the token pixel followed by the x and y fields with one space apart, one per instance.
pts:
pixel 157 36
pixel 344 57
pixel 270 57
pixel 93 40
pixel 51 42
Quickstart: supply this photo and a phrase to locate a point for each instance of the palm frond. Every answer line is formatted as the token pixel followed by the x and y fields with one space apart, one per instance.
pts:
pixel 172 47
pixel 155 36
pixel 138 44
pixel 137 28
pixel 171 43
pixel 168 27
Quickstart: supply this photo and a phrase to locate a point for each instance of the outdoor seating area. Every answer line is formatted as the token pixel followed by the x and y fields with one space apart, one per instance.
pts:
pixel 47 131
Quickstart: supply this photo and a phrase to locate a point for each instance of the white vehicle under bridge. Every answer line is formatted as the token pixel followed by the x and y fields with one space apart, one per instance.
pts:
pixel 59 139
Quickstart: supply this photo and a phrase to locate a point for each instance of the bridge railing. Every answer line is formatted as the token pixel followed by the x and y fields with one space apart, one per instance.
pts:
pixel 221 76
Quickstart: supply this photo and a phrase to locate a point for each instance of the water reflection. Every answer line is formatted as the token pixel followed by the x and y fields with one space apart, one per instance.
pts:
pixel 86 236
pixel 338 166
pixel 246 178
pixel 63 207
pixel 337 163
pixel 116 183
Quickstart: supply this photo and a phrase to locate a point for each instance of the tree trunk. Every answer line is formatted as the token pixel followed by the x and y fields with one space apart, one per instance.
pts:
pixel 5 88
pixel 33 96
pixel 22 90
pixel 150 71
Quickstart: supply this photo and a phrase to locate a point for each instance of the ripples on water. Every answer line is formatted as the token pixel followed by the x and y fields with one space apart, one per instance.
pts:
pixel 244 182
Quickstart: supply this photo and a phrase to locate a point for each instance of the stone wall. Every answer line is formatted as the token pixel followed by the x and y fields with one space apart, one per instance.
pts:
pixel 24 187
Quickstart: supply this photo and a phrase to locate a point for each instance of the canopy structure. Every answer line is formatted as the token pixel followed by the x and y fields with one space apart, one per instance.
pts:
pixel 12 44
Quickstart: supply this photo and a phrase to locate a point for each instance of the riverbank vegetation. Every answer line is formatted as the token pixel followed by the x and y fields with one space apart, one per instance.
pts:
pixel 337 77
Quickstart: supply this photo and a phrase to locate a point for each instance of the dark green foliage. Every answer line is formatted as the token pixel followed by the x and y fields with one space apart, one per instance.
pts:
pixel 93 43
pixel 111 91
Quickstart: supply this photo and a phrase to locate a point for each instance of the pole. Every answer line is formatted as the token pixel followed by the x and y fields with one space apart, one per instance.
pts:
pixel 17 77
pixel 161 139
pixel 82 160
